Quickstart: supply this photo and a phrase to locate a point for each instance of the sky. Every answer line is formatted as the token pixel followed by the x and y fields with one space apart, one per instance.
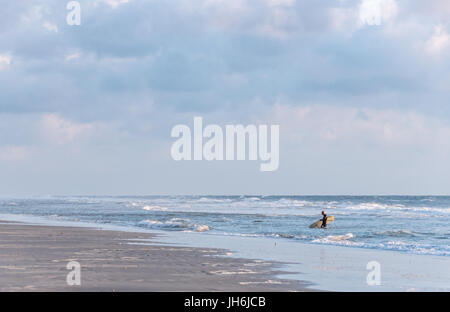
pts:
pixel 359 88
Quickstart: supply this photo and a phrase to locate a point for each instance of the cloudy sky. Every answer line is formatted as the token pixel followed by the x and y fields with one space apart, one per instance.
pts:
pixel 360 89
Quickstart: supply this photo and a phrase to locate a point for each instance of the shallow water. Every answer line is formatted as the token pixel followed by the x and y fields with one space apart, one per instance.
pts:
pixel 408 224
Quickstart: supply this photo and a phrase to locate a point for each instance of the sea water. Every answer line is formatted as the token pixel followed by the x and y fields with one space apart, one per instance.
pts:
pixel 406 224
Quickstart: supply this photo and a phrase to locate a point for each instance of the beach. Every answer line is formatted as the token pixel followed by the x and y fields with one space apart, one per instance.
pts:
pixel 222 243
pixel 34 258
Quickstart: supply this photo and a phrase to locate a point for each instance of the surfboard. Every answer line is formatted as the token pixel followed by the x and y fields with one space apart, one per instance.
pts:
pixel 318 224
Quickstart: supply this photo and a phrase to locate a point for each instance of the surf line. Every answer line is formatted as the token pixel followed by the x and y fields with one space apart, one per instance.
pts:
pixel 230 147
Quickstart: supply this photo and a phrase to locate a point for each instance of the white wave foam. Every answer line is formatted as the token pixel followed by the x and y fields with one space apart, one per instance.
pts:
pixel 398 233
pixel 396 207
pixel 173 223
pixel 151 222
pixel 369 206
pixel 340 237
pixel 202 228
pixel 284 235
pixel 213 200
pixel 178 222
pixel 154 208
pixel 339 240
pixel 264 282
pixel 417 248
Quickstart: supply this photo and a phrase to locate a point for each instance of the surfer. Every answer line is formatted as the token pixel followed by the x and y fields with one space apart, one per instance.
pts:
pixel 324 220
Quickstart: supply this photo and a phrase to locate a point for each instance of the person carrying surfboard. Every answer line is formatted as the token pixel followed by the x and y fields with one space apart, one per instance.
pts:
pixel 324 220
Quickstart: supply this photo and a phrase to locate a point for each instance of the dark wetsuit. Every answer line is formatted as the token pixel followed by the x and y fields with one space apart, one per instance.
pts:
pixel 324 221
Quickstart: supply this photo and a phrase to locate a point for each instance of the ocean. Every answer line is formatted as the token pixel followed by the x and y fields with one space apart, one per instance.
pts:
pixel 405 224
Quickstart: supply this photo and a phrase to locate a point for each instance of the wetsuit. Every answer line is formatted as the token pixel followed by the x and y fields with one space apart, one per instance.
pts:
pixel 324 221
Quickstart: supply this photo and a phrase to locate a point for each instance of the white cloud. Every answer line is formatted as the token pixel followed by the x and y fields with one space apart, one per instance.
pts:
pixel 274 18
pixel 287 3
pixel 234 5
pixel 62 131
pixel 37 15
pixel 343 19
pixel 376 12
pixel 32 14
pixel 439 41
pixel 50 26
pixel 281 18
pixel 225 14
pixel 5 61
pixel 73 56
pixel 319 124
pixel 115 3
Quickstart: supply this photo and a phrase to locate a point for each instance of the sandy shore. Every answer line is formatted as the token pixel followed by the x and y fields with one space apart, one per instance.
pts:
pixel 34 258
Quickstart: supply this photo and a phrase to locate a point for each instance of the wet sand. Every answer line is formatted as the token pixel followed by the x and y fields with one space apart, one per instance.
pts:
pixel 34 258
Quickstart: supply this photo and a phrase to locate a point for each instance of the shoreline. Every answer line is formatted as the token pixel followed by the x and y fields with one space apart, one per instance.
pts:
pixel 34 258
pixel 281 265
pixel 331 267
